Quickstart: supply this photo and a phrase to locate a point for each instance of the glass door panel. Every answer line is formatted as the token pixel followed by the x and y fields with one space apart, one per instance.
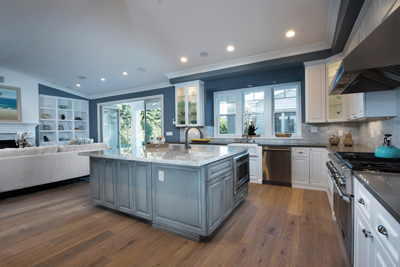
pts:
pixel 192 105
pixel 153 125
pixel 180 106
pixel 110 127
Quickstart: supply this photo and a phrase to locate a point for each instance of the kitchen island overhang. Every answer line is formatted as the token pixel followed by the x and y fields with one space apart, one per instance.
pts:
pixel 185 192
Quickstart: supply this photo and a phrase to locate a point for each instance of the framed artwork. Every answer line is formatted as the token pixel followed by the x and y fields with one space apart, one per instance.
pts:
pixel 10 104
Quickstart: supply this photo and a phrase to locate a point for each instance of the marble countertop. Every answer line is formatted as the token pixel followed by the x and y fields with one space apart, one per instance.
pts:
pixel 198 155
pixel 337 148
pixel 385 187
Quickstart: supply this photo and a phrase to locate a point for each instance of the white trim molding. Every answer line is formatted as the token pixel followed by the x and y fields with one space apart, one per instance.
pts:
pixel 253 59
pixel 333 14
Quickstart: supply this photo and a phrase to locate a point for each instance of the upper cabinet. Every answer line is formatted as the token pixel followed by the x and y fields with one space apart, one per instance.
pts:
pixel 189 99
pixel 315 93
pixel 334 110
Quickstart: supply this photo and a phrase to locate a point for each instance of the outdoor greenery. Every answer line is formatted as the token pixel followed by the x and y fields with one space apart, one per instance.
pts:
pixel 125 120
pixel 223 125
pixel 153 123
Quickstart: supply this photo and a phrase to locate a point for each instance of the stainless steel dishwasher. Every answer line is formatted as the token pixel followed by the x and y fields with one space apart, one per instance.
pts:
pixel 277 168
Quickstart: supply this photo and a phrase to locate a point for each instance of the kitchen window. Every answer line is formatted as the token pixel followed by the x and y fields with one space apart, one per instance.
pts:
pixel 275 109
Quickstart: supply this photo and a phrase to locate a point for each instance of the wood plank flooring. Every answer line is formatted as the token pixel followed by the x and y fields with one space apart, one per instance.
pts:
pixel 275 226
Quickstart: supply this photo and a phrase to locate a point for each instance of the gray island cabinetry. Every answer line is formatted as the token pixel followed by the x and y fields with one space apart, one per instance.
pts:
pixel 186 193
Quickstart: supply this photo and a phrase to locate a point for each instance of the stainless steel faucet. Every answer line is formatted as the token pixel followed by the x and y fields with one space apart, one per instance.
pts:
pixel 186 136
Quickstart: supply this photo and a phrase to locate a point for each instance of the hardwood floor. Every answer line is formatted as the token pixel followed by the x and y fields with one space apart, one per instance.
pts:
pixel 275 226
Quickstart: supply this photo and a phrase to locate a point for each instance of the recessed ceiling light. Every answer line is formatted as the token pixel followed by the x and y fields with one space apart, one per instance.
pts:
pixel 141 69
pixel 78 85
pixel 184 59
pixel 103 79
pixel 125 73
pixel 290 34
pixel 230 48
pixel 204 54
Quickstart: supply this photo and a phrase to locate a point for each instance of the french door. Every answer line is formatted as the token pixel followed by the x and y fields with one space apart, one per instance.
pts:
pixel 110 127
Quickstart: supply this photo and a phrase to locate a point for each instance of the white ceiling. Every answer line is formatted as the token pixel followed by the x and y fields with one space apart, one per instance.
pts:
pixel 58 40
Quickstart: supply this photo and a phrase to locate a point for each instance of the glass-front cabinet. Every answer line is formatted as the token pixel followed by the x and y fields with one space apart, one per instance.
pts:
pixel 189 104
pixel 335 102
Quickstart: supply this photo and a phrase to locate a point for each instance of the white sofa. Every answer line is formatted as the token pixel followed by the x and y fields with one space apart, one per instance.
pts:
pixel 26 167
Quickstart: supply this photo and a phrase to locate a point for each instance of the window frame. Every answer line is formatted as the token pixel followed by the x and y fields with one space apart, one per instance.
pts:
pixel 269 109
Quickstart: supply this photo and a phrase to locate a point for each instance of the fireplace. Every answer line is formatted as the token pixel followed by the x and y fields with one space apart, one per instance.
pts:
pixel 8 144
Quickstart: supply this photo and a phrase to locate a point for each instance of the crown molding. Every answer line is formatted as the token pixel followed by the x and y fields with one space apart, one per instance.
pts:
pixel 333 14
pixel 253 59
pixel 132 90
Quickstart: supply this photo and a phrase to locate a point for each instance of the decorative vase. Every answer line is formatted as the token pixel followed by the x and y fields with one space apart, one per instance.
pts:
pixel 62 116
pixel 334 141
pixel 348 140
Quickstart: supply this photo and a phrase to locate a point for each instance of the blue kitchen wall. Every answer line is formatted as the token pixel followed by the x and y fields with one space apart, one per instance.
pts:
pixel 296 74
pixel 46 90
pixel 169 110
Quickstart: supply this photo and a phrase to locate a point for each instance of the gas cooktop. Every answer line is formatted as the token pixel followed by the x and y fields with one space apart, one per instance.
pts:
pixel 360 161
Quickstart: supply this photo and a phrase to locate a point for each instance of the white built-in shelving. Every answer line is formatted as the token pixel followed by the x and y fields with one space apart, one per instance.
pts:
pixel 62 119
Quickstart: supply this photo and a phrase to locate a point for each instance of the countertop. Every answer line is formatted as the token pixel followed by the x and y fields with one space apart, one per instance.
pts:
pixel 385 187
pixel 337 148
pixel 198 155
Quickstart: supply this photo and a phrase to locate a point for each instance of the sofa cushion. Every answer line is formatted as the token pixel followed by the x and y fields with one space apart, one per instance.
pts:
pixel 15 152
pixel 49 149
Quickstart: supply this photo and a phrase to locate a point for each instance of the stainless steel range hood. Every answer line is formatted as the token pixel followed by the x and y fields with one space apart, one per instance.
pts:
pixel 374 65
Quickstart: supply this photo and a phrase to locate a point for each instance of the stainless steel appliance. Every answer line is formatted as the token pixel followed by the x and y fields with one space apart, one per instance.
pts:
pixel 241 174
pixel 340 166
pixel 277 165
pixel 374 65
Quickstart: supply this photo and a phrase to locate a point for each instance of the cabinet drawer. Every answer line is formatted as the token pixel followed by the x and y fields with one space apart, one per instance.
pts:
pixel 252 151
pixel 300 152
pixel 387 230
pixel 241 195
pixel 362 200
pixel 218 168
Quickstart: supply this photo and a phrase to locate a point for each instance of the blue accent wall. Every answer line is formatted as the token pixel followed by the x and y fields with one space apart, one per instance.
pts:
pixel 46 90
pixel 169 110
pixel 258 79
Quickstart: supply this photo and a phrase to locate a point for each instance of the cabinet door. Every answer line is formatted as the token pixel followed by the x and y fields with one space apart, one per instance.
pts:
pixel 96 180
pixel 179 198
pixel 110 183
pixel 215 212
pixel 364 247
pixel 193 104
pixel 227 194
pixel 180 102
pixel 125 187
pixel 253 169
pixel 142 190
pixel 300 171
pixel 382 258
pixel 315 93
pixel 318 167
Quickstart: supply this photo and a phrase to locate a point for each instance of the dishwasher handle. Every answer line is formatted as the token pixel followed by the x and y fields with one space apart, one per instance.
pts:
pixel 276 149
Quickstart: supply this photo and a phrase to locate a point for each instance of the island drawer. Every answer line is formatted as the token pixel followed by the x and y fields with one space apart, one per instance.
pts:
pixel 219 168
pixel 240 195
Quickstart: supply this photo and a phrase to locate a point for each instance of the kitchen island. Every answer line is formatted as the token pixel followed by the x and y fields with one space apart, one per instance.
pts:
pixel 185 192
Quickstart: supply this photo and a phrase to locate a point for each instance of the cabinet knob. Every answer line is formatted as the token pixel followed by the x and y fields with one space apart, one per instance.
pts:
pixel 366 233
pixel 382 230
pixel 361 201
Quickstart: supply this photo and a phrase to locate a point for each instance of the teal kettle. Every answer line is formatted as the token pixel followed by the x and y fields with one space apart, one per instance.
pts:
pixel 387 150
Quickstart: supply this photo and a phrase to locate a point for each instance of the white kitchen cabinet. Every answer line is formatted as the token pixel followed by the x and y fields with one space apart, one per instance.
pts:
pixel 255 161
pixel 370 105
pixel 371 246
pixel 189 108
pixel 309 168
pixel 318 167
pixel 315 93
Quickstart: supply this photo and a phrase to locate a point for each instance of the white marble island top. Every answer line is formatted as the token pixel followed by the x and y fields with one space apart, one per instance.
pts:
pixel 198 155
